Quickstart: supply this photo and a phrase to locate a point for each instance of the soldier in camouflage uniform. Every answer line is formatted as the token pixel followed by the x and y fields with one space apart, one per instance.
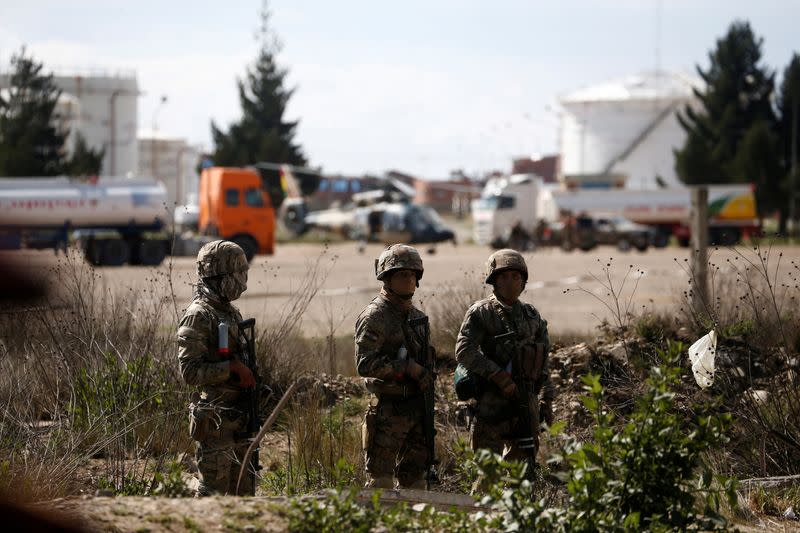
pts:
pixel 218 417
pixel 498 424
pixel 390 353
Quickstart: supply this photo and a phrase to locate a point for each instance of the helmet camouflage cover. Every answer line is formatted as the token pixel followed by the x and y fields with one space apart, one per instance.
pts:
pixel 505 259
pixel 398 257
pixel 219 258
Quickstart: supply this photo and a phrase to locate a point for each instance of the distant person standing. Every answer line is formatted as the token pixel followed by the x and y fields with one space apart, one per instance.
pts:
pixel 503 345
pixel 391 350
pixel 209 349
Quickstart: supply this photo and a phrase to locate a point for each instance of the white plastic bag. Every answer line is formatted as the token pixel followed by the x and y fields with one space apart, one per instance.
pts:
pixel 701 354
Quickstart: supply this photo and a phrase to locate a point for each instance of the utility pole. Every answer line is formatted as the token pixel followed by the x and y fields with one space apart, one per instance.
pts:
pixel 793 179
pixel 699 242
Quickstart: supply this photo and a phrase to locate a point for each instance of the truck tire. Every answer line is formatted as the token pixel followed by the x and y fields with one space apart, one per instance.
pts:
pixel 113 252
pixel 661 239
pixel 148 252
pixel 294 219
pixel 248 244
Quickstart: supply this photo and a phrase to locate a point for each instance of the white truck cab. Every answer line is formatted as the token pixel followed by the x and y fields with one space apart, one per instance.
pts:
pixel 519 199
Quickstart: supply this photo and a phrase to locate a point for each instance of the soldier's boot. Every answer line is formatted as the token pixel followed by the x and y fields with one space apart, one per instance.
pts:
pixel 380 482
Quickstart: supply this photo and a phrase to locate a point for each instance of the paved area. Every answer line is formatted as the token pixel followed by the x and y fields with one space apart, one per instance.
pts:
pixel 346 282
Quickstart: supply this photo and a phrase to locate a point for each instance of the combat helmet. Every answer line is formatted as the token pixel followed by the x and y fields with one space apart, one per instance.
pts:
pixel 505 259
pixel 398 257
pixel 219 258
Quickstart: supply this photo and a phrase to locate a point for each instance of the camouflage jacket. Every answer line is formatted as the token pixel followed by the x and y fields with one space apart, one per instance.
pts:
pixel 478 351
pixel 198 339
pixel 381 329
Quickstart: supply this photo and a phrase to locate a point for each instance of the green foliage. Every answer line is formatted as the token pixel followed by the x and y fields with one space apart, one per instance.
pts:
pixel 654 328
pixel 30 144
pixel 167 482
pixel 298 479
pixel 741 328
pixel 638 475
pixel 85 161
pixel 118 390
pixel 262 134
pixel 646 474
pixel 341 511
pixel 642 473
pixel 735 100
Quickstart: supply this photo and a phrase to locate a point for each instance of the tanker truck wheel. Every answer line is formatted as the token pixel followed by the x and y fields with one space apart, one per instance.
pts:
pixel 624 245
pixel 149 252
pixel 248 244
pixel 112 252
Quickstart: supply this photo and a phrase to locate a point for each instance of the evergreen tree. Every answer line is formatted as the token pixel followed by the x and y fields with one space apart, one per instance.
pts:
pixel 262 134
pixel 85 161
pixel 758 158
pixel 30 144
pixel 789 106
pixel 736 98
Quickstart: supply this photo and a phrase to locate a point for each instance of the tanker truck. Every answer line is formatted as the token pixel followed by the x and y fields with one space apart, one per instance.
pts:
pixel 524 200
pixel 112 221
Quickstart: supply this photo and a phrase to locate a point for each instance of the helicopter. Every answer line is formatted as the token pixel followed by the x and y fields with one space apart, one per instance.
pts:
pixel 383 215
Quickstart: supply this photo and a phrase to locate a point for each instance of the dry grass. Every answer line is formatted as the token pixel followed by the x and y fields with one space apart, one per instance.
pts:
pixel 91 372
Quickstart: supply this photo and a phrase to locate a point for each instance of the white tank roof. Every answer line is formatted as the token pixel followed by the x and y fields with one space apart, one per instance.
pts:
pixel 654 85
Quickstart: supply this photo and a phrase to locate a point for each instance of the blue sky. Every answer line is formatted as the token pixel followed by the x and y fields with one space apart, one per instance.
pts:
pixel 419 86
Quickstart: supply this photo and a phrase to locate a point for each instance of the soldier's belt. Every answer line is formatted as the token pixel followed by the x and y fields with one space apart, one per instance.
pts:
pixel 394 389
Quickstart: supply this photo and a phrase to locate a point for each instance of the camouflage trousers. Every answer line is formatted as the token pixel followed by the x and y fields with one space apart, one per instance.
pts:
pixel 394 441
pixel 502 435
pixel 220 450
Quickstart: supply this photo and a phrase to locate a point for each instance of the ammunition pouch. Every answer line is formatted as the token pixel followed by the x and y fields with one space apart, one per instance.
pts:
pixel 393 389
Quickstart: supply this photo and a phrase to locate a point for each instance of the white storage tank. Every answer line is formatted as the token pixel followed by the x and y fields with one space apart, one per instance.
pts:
pixel 623 133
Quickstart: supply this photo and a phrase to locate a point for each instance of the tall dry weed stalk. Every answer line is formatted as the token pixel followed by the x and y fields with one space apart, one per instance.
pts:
pixel 447 305
pixel 283 351
pixel 754 305
pixel 89 373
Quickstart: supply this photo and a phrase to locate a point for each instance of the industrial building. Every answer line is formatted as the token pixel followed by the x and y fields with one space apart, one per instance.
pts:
pixel 174 162
pixel 622 133
pixel 101 106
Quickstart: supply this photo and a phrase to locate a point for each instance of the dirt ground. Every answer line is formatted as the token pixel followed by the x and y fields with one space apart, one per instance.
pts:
pixel 350 284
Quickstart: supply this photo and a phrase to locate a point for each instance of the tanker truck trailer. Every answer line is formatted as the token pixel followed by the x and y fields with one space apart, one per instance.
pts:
pixel 112 221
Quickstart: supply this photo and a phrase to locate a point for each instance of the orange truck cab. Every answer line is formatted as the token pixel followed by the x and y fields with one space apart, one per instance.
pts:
pixel 234 206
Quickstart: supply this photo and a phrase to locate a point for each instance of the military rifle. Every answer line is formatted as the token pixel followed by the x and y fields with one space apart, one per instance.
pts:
pixel 428 417
pixel 253 395
pixel 527 363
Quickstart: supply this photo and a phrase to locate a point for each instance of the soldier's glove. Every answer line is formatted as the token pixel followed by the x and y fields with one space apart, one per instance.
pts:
pixel 504 382
pixel 546 413
pixel 242 374
pixel 420 374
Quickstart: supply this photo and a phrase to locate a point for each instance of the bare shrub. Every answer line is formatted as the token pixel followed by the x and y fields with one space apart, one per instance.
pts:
pixel 89 373
pixel 447 306
pixel 282 351
pixel 323 447
pixel 753 305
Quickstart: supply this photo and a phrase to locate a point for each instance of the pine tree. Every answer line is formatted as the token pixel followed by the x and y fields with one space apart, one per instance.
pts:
pixel 262 134
pixel 736 98
pixel 30 144
pixel 85 161
pixel 789 106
